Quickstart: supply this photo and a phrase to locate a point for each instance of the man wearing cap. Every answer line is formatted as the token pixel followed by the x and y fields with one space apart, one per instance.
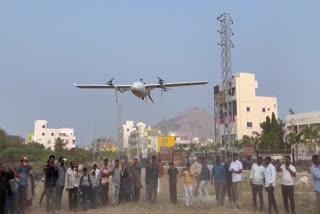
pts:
pixel 62 169
pixel 23 172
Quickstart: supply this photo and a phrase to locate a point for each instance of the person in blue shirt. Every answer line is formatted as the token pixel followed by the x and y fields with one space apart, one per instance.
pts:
pixel 315 172
pixel 23 173
pixel 218 179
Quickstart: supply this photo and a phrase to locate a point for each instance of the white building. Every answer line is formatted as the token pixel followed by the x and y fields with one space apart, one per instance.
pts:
pixel 47 137
pixel 249 110
pixel 126 131
pixel 298 122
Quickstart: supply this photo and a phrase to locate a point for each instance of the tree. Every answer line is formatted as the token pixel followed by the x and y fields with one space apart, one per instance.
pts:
pixel 272 134
pixel 59 144
pixel 310 136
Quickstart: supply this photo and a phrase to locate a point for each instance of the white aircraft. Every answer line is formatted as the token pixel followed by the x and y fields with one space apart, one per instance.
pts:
pixel 140 89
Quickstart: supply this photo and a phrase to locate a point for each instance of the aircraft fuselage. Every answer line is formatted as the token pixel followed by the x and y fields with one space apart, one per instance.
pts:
pixel 139 90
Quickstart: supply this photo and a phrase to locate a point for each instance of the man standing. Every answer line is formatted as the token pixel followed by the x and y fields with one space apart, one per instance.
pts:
pixel 136 169
pixel 205 178
pixel 5 176
pixel 173 172
pixel 188 184
pixel 236 170
pixel 270 177
pixel 104 173
pixel 196 168
pixel 23 173
pixel 153 173
pixel 116 181
pixel 52 175
pixel 147 180
pixel 62 169
pixel 218 179
pixel 256 181
pixel 72 186
pixel 161 174
pixel 287 187
pixel 228 185
pixel 315 172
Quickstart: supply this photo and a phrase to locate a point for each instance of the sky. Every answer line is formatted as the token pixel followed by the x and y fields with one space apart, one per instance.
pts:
pixel 46 46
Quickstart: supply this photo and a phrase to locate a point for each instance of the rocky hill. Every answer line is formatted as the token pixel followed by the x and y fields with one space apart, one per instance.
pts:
pixel 194 122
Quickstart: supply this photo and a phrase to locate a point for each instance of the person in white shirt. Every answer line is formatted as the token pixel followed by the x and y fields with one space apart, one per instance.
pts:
pixel 196 168
pixel 287 187
pixel 270 184
pixel 257 181
pixel 96 170
pixel 72 178
pixel 236 170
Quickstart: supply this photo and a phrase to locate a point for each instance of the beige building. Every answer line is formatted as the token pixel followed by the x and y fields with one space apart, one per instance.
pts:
pixel 249 110
pixel 48 136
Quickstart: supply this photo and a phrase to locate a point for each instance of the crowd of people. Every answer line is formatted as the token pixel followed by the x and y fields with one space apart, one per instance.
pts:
pixel 89 188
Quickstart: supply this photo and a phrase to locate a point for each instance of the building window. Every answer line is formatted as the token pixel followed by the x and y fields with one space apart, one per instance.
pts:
pixel 43 134
pixel 49 141
pixel 268 109
pixel 52 134
pixel 263 109
pixel 128 130
pixel 43 126
pixel 74 142
pixel 248 109
pixel 249 124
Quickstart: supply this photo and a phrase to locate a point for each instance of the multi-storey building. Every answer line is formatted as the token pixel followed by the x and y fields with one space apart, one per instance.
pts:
pixel 248 109
pixel 47 136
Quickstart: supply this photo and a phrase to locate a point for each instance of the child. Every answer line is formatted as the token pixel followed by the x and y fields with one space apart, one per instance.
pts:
pixel 95 186
pixel 173 172
pixel 85 187
pixel 188 176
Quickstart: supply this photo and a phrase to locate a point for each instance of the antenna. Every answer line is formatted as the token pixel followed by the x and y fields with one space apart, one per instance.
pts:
pixel 225 103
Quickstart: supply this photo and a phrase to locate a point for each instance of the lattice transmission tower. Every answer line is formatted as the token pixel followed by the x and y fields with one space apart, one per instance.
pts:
pixel 225 102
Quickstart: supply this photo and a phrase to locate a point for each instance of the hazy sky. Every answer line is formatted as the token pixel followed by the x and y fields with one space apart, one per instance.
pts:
pixel 46 46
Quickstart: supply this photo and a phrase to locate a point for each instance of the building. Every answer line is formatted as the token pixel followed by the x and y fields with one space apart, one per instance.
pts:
pixel 298 122
pixel 144 139
pixel 47 136
pixel 248 109
pixel 104 144
pixel 126 131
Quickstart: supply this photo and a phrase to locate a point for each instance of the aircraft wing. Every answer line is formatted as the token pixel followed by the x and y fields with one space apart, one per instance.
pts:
pixel 104 86
pixel 176 84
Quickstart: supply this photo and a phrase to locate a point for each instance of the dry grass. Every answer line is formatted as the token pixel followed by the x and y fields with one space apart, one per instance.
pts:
pixel 304 203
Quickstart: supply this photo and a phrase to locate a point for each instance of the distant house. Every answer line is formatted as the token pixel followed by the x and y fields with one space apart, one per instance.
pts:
pixel 47 136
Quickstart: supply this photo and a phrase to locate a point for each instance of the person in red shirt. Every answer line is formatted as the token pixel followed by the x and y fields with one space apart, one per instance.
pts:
pixel 105 173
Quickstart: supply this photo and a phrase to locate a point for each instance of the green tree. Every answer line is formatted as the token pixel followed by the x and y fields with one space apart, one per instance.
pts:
pixel 272 134
pixel 311 136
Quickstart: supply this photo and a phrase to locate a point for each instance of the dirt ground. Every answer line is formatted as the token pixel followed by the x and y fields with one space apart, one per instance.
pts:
pixel 304 202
